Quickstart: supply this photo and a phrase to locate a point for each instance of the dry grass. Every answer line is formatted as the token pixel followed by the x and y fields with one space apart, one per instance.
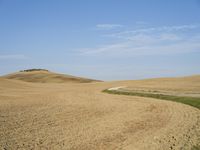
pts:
pixel 44 76
pixel 80 116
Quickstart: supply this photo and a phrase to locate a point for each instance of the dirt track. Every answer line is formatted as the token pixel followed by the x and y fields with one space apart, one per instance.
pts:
pixel 80 116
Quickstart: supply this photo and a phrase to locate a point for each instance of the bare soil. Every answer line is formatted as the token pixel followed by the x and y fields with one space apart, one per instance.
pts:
pixel 81 116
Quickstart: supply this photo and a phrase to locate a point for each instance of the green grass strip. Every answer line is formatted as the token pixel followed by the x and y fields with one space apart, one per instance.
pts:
pixel 192 101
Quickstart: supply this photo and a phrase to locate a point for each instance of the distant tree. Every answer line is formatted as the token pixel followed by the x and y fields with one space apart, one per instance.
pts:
pixel 30 70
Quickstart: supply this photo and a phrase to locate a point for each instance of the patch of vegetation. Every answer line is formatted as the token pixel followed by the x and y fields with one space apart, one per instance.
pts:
pixel 192 101
pixel 30 70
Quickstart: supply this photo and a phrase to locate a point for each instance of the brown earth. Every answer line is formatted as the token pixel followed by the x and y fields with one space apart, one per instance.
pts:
pixel 80 116
pixel 45 76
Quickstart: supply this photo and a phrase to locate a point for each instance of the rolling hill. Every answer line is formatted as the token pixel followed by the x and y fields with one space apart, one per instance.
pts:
pixel 45 76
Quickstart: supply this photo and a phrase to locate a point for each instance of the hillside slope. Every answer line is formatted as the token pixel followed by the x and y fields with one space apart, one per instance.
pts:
pixel 189 84
pixel 45 76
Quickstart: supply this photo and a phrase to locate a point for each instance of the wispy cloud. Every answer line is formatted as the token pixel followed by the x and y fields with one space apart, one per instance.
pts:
pixel 129 49
pixel 13 57
pixel 151 41
pixel 108 26
pixel 105 48
pixel 165 29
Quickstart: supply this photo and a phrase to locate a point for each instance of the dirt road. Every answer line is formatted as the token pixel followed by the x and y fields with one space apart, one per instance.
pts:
pixel 80 116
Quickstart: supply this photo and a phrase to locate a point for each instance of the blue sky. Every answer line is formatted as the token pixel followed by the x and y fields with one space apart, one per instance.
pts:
pixel 104 39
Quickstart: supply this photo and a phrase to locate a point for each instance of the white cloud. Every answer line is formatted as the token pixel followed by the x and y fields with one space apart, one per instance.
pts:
pixel 151 30
pixel 105 48
pixel 151 41
pixel 130 49
pixel 170 36
pixel 108 26
pixel 13 56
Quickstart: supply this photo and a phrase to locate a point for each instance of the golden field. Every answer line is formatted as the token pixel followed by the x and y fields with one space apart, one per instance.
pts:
pixel 75 115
